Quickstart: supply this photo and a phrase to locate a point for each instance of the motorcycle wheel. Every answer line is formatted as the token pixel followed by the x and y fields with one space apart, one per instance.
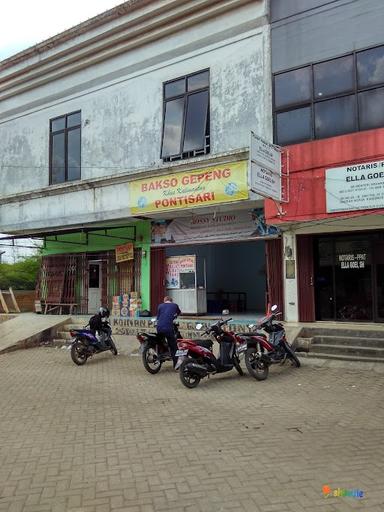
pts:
pixel 113 348
pixel 151 361
pixel 79 353
pixel 188 380
pixel 292 356
pixel 256 367
pixel 236 364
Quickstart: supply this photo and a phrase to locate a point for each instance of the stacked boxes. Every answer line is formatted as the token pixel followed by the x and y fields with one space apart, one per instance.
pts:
pixel 127 305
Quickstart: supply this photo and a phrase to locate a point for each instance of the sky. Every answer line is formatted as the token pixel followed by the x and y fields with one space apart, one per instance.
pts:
pixel 24 23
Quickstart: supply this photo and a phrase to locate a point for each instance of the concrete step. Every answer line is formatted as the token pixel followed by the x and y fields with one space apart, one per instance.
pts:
pixel 353 350
pixel 359 332
pixel 346 340
pixel 342 357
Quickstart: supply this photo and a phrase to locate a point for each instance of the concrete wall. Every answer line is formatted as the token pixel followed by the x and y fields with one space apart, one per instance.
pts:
pixel 122 108
pixel 323 29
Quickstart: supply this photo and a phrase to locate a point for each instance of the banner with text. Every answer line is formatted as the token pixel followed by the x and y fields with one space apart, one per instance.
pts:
pixel 355 187
pixel 176 265
pixel 237 225
pixel 202 187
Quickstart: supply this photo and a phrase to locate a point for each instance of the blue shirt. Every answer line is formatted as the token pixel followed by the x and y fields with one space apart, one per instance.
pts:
pixel 166 313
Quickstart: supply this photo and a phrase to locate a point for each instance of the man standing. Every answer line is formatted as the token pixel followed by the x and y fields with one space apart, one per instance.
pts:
pixel 166 313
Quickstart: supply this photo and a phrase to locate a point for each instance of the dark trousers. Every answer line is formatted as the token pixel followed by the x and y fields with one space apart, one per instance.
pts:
pixel 172 344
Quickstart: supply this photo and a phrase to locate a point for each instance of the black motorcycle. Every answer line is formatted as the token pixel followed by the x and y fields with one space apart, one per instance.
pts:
pixel 86 344
pixel 154 348
pixel 263 349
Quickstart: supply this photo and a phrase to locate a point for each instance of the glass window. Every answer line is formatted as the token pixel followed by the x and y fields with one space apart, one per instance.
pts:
pixel 173 126
pixel 74 120
pixel 333 77
pixel 74 154
pixel 198 81
pixel 335 117
pixel 94 276
pixel 58 124
pixel 197 110
pixel 293 87
pixel 293 126
pixel 371 109
pixel 175 88
pixel 58 158
pixel 370 67
pixel 186 117
pixel 65 148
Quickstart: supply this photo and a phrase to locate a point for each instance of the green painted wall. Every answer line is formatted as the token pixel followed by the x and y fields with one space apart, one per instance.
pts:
pixel 96 243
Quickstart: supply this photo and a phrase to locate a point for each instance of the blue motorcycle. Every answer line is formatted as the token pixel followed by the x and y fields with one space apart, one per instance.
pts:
pixel 86 344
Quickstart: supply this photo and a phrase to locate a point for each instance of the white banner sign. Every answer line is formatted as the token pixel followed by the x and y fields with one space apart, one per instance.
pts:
pixel 235 225
pixel 265 167
pixel 174 266
pixel 355 187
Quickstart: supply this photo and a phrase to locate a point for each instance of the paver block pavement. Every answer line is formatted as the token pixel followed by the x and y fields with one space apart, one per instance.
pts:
pixel 109 436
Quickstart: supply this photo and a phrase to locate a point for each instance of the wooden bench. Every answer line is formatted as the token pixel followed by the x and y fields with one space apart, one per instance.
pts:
pixel 52 306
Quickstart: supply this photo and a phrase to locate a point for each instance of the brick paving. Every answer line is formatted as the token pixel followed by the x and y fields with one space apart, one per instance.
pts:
pixel 110 437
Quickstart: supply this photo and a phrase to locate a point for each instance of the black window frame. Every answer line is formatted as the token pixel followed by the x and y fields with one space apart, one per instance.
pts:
pixel 354 92
pixel 64 131
pixel 185 95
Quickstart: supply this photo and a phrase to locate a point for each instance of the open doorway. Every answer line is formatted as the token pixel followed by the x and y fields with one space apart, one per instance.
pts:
pixel 94 286
pixel 232 274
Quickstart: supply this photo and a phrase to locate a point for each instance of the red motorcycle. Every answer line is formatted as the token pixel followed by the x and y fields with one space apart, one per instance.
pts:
pixel 196 358
pixel 262 350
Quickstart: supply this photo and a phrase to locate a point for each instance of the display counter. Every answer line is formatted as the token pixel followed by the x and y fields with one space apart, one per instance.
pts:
pixel 191 301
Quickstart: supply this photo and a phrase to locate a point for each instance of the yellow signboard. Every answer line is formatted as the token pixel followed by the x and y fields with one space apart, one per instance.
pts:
pixel 190 189
pixel 124 252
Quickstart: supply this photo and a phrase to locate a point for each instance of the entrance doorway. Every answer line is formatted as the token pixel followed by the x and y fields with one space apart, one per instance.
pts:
pixel 94 286
pixel 233 275
pixel 349 278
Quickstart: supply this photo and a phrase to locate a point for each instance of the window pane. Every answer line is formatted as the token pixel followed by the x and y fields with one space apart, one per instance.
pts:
pixel 370 67
pixel 333 77
pixel 198 81
pixel 173 124
pixel 74 120
pixel 293 126
pixel 74 162
pixel 58 158
pixel 293 87
pixel 335 117
pixel 58 124
pixel 371 109
pixel 175 88
pixel 197 110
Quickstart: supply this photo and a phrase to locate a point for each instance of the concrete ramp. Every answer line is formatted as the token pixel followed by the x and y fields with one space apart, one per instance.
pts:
pixel 28 329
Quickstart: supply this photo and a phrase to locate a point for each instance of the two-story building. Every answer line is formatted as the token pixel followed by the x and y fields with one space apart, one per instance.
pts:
pixel 328 107
pixel 124 146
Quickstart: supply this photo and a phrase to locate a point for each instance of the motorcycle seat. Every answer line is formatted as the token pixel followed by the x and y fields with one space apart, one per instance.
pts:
pixel 204 343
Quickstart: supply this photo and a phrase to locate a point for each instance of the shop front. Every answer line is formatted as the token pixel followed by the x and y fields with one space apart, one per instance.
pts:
pixel 81 271
pixel 333 229
pixel 349 277
pixel 208 240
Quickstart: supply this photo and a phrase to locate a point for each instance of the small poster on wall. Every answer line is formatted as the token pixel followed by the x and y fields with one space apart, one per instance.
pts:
pixel 176 265
pixel 124 252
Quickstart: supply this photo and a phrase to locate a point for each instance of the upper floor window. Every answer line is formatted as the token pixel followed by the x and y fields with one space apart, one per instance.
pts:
pixel 330 98
pixel 65 148
pixel 186 117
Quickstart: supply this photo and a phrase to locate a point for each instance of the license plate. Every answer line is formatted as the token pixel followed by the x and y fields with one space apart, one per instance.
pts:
pixel 180 353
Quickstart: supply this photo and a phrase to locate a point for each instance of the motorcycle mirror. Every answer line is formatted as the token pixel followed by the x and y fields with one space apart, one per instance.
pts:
pixel 199 327
pixel 225 312
pixel 274 308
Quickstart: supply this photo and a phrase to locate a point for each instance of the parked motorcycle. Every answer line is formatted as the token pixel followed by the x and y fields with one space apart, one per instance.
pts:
pixel 196 359
pixel 86 344
pixel 154 348
pixel 261 350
